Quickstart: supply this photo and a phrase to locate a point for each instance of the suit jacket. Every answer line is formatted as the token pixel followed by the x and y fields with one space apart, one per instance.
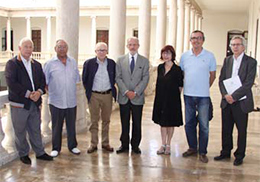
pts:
pixel 19 83
pixel 137 81
pixel 246 73
pixel 89 70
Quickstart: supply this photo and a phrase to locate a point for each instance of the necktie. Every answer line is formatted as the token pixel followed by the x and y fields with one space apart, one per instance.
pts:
pixel 132 65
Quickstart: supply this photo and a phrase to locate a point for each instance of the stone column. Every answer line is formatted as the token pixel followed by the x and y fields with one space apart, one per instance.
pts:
pixel 180 30
pixel 200 22
pixel 173 23
pixel 48 18
pixel 8 34
pixel 161 27
pixel 117 28
pixel 93 33
pixel 187 27
pixel 67 24
pixel 144 27
pixel 192 19
pixel 196 21
pixel 45 116
pixel 28 27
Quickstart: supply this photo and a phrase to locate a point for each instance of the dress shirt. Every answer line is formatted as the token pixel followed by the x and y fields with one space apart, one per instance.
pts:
pixel 28 67
pixel 236 64
pixel 130 58
pixel 101 81
pixel 61 80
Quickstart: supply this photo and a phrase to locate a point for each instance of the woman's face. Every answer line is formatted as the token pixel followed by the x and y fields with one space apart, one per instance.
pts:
pixel 167 56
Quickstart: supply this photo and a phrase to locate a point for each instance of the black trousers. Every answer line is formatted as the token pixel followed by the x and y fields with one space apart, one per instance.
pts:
pixel 232 114
pixel 57 117
pixel 136 111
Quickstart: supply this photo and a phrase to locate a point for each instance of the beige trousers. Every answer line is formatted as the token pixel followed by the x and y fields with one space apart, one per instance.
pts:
pixel 100 105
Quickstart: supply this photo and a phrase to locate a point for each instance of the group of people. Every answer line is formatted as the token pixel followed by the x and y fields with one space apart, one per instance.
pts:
pixel 196 72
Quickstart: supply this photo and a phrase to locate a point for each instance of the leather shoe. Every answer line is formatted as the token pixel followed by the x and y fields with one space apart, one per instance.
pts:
pixel 136 150
pixel 92 149
pixel 221 157
pixel 189 152
pixel 26 159
pixel 108 148
pixel 203 158
pixel 45 157
pixel 122 149
pixel 238 162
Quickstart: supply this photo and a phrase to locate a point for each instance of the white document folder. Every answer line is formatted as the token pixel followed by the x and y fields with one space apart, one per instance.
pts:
pixel 232 84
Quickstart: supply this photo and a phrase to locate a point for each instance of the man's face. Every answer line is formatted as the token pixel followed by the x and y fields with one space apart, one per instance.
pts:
pixel 237 47
pixel 101 52
pixel 132 46
pixel 61 48
pixel 196 40
pixel 26 49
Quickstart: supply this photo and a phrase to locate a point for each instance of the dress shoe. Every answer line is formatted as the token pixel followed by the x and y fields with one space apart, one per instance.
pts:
pixel 26 159
pixel 189 152
pixel 221 157
pixel 136 150
pixel 238 162
pixel 54 153
pixel 45 157
pixel 108 148
pixel 75 151
pixel 92 149
pixel 204 158
pixel 122 149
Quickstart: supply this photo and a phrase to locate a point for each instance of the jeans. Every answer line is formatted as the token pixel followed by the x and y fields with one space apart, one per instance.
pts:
pixel 200 104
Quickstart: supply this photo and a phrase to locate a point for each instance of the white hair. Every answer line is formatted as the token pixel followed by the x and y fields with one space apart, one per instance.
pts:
pixel 99 44
pixel 134 38
pixel 25 39
pixel 243 40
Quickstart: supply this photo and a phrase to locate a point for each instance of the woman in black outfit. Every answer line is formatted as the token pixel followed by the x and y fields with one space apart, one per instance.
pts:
pixel 167 110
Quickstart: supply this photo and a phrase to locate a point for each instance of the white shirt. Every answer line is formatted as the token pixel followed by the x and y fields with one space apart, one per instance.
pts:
pixel 28 67
pixel 236 64
pixel 130 58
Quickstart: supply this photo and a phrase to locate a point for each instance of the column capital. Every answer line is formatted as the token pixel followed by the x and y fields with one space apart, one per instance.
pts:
pixel 48 17
pixel 27 17
pixel 187 3
pixel 93 16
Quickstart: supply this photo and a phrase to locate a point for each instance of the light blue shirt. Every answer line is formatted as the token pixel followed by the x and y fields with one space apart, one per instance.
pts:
pixel 101 81
pixel 196 72
pixel 61 80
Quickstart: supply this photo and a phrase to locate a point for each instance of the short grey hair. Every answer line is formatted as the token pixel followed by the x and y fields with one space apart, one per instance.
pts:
pixel 25 39
pixel 243 40
pixel 99 44
pixel 134 38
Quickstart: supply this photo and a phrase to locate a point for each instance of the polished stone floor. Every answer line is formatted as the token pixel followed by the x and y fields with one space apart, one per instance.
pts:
pixel 103 166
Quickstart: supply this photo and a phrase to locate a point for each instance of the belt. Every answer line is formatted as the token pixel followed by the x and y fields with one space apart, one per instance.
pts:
pixel 104 92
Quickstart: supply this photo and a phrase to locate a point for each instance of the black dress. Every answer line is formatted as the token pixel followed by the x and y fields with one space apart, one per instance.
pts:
pixel 167 110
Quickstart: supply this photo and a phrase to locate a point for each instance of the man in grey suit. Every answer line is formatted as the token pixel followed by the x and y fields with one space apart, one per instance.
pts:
pixel 235 107
pixel 132 76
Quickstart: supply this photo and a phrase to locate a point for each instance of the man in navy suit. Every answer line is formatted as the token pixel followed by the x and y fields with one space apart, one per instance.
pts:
pixel 26 84
pixel 99 81
pixel 236 106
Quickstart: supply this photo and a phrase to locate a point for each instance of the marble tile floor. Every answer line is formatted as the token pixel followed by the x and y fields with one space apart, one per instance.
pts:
pixel 147 167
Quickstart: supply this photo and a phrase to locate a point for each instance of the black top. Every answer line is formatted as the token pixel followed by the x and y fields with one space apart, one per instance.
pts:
pixel 167 110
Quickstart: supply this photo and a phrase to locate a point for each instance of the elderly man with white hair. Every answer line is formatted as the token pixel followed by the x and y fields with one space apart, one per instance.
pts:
pixel 99 81
pixel 26 84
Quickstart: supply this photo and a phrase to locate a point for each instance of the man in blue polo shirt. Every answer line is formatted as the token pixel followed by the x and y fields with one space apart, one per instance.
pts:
pixel 199 67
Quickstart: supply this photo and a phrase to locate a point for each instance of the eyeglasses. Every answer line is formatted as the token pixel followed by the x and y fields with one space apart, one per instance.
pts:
pixel 196 38
pixel 233 45
pixel 167 53
pixel 101 50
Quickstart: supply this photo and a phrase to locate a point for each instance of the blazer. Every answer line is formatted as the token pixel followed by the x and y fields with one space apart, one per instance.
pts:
pixel 246 73
pixel 137 81
pixel 19 83
pixel 89 70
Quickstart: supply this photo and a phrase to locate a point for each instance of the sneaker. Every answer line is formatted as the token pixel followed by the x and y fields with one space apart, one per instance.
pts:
pixel 54 153
pixel 204 158
pixel 75 151
pixel 189 152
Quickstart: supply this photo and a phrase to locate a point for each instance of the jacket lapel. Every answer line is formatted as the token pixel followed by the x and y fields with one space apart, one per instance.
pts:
pixel 230 67
pixel 242 66
pixel 126 63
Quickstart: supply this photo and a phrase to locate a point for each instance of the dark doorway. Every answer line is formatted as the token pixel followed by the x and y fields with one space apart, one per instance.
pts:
pixel 36 38
pixel 4 41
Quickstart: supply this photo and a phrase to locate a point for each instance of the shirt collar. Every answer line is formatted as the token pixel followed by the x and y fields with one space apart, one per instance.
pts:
pixel 239 58
pixel 192 54
pixel 135 56
pixel 24 60
pixel 100 62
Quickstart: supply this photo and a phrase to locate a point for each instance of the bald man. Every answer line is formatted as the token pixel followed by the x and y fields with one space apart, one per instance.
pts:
pixel 62 75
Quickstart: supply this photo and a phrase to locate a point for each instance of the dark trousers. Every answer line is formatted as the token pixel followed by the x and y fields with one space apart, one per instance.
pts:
pixel 125 111
pixel 57 117
pixel 232 114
